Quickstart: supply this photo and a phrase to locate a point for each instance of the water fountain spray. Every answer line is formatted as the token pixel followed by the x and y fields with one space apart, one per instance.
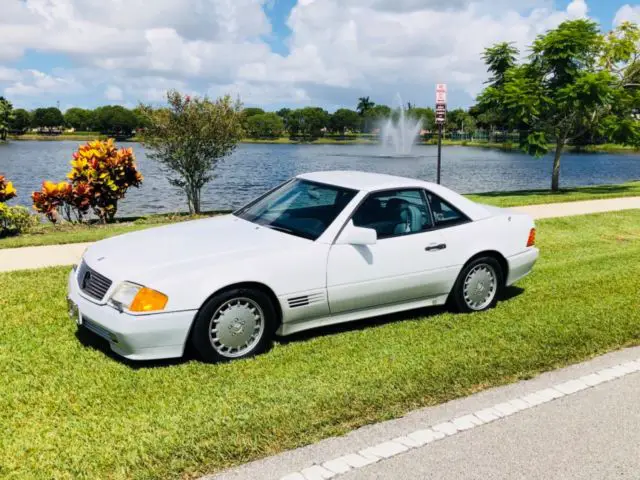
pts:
pixel 401 135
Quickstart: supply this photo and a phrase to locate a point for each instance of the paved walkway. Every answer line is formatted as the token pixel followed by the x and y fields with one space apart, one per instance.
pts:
pixel 40 257
pixel 567 209
pixel 579 422
pixel 56 255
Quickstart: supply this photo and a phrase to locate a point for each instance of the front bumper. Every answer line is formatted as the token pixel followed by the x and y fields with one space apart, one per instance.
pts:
pixel 136 337
pixel 521 264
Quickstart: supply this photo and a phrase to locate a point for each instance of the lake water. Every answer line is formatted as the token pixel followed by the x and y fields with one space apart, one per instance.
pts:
pixel 254 168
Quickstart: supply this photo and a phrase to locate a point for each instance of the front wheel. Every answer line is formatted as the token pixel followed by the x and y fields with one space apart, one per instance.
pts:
pixel 236 323
pixel 478 285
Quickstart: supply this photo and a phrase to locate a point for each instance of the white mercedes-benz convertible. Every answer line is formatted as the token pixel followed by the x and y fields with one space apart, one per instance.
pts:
pixel 320 249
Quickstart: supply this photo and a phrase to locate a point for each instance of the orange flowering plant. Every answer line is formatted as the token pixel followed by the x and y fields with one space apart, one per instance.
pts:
pixel 13 220
pixel 52 197
pixel 100 176
pixel 7 191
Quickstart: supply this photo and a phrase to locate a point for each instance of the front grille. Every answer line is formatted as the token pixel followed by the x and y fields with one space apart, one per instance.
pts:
pixel 92 283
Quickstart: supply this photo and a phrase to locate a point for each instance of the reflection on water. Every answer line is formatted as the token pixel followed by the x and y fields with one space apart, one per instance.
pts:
pixel 255 168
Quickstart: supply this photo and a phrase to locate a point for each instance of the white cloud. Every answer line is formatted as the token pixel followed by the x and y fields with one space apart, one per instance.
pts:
pixel 577 9
pixel 113 93
pixel 627 13
pixel 33 83
pixel 363 45
pixel 129 51
pixel 9 74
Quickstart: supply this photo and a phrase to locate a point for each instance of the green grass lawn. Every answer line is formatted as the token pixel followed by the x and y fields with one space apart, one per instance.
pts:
pixel 48 234
pixel 536 197
pixel 70 410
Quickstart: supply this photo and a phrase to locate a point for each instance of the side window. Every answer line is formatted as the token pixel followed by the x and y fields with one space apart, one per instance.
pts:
pixel 393 213
pixel 444 214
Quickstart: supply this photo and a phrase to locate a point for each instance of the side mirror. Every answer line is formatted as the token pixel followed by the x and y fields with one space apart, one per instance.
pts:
pixel 352 235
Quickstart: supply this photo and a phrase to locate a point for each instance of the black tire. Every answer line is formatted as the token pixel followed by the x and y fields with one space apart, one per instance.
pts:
pixel 201 336
pixel 485 264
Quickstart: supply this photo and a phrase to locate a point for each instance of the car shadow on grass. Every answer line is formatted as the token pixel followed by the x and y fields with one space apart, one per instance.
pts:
pixel 90 340
pixel 424 313
pixel 93 341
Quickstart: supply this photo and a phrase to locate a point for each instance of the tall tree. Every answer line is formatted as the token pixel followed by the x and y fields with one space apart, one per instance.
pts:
pixel 566 87
pixel 21 121
pixel 460 121
pixel 191 137
pixel 265 125
pixel 79 119
pixel 247 113
pixel 313 121
pixel 344 119
pixel 499 59
pixel 284 113
pixel 364 105
pixel 115 120
pixel 6 116
pixel 48 118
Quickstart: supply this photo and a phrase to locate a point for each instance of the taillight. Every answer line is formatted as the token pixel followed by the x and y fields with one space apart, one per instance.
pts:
pixel 531 241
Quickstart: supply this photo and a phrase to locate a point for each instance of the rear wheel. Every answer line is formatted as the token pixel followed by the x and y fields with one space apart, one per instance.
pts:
pixel 236 323
pixel 478 285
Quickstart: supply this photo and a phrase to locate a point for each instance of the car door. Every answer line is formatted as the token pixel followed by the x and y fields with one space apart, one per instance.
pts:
pixel 409 261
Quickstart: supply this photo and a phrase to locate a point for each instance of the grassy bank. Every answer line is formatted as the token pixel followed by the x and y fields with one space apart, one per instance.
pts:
pixel 70 410
pixel 47 234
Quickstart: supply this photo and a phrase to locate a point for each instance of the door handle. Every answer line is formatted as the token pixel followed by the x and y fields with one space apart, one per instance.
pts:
pixel 435 247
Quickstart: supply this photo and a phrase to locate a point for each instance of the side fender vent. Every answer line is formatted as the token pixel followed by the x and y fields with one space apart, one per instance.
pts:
pixel 304 300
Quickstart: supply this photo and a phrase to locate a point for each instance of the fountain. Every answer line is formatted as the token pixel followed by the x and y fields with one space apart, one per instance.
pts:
pixel 400 135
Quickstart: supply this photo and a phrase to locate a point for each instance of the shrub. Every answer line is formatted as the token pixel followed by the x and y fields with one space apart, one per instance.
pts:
pixel 15 220
pixel 52 197
pixel 7 191
pixel 101 175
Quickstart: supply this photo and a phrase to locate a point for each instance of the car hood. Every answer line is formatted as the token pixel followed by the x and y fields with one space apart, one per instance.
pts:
pixel 146 254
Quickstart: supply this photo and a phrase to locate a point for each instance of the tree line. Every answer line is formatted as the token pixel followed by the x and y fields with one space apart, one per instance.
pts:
pixel 113 120
pixel 304 123
pixel 367 117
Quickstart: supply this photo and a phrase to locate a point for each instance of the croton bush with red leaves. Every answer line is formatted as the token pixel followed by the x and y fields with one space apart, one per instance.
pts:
pixel 100 175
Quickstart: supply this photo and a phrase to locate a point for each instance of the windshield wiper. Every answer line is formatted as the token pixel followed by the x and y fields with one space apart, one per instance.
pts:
pixel 281 229
pixel 295 233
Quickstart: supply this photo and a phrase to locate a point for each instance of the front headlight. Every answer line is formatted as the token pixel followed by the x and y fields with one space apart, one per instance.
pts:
pixel 137 298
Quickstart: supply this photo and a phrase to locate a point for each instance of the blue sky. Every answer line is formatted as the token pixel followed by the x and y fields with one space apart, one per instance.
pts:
pixel 271 53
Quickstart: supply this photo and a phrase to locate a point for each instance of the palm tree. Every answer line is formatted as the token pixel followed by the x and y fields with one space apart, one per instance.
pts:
pixel 6 116
pixel 364 105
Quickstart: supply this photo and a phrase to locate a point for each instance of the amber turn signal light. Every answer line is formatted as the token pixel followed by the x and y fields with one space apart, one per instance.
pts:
pixel 531 241
pixel 148 300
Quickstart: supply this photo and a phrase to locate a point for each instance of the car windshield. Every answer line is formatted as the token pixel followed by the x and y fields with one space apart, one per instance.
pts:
pixel 299 207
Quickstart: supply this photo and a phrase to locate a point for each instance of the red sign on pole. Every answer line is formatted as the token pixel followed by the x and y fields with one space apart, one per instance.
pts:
pixel 441 102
